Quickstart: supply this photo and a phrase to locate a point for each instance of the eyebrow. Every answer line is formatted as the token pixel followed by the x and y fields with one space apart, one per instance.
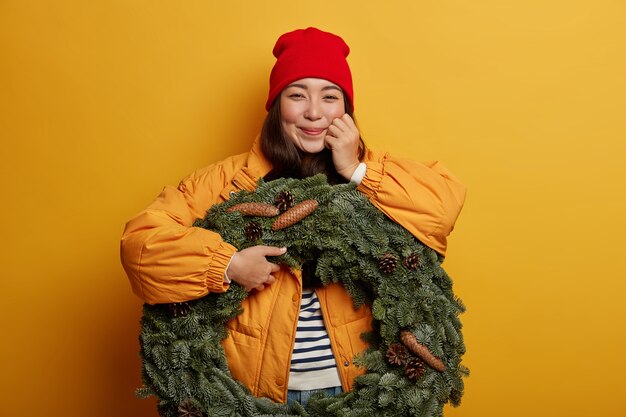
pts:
pixel 304 87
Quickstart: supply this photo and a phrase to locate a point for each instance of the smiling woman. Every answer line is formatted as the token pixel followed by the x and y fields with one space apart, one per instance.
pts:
pixel 309 130
pixel 309 108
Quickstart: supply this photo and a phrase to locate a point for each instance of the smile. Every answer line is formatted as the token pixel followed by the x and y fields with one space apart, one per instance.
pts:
pixel 312 132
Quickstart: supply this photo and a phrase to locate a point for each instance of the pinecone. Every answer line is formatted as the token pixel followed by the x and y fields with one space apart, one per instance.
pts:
pixel 253 231
pixel 255 209
pixel 397 354
pixel 388 264
pixel 412 261
pixel 421 350
pixel 187 409
pixel 284 201
pixel 295 214
pixel 180 309
pixel 414 368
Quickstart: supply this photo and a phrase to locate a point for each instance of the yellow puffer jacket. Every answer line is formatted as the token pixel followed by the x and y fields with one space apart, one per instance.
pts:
pixel 167 260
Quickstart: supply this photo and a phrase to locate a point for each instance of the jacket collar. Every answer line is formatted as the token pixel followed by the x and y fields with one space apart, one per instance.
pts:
pixel 257 166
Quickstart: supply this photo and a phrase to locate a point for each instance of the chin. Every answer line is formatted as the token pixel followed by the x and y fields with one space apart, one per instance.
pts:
pixel 312 148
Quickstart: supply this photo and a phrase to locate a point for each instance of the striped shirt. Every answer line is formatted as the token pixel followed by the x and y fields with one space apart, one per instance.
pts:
pixel 313 364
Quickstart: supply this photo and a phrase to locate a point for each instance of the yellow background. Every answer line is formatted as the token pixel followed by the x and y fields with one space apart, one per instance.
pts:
pixel 104 102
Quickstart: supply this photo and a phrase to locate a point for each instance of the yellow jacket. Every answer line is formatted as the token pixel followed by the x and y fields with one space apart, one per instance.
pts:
pixel 167 260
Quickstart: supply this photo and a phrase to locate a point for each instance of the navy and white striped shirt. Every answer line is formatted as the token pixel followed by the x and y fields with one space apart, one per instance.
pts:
pixel 313 364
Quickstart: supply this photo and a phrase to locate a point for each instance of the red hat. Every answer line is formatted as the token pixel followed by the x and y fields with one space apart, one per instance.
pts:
pixel 312 53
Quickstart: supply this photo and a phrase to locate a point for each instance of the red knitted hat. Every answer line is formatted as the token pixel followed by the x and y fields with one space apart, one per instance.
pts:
pixel 312 53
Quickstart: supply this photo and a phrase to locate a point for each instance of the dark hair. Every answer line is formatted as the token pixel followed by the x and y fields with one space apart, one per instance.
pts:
pixel 290 162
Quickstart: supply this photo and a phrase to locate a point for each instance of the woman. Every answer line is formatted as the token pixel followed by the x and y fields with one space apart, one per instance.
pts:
pixel 294 336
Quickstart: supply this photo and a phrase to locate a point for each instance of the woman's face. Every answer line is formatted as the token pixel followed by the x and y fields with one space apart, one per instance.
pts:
pixel 307 107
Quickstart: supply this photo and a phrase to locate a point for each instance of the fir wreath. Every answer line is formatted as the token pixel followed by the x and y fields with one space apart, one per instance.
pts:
pixel 414 360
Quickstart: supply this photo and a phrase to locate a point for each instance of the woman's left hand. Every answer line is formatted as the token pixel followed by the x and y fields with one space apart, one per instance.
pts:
pixel 343 138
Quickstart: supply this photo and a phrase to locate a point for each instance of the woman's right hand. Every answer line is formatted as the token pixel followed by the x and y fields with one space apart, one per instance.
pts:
pixel 250 268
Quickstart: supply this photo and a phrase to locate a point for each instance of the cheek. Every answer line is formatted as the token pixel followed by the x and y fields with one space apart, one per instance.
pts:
pixel 288 116
pixel 287 127
pixel 288 111
pixel 287 123
pixel 335 111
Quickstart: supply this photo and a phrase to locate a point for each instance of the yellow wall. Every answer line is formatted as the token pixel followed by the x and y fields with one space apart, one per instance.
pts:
pixel 103 103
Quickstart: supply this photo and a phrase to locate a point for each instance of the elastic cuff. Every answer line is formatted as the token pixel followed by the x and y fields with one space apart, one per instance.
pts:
pixel 226 279
pixel 371 181
pixel 359 173
pixel 217 267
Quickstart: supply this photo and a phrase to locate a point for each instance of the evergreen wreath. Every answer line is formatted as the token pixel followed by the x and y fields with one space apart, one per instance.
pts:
pixel 413 363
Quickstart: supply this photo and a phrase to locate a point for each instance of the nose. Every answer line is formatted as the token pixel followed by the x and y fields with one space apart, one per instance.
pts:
pixel 313 110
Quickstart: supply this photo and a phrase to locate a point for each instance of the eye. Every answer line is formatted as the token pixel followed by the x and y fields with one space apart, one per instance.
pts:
pixel 331 97
pixel 296 96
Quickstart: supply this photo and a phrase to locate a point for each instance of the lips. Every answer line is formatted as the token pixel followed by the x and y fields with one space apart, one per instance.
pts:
pixel 312 132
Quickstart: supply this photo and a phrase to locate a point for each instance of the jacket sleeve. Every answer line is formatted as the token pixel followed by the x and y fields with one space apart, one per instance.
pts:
pixel 166 259
pixel 425 198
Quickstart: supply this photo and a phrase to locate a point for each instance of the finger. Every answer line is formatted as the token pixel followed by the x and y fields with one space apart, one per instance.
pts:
pixel 334 136
pixel 273 251
pixel 274 268
pixel 270 280
pixel 328 139
pixel 260 287
pixel 348 120
pixel 333 131
pixel 341 124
